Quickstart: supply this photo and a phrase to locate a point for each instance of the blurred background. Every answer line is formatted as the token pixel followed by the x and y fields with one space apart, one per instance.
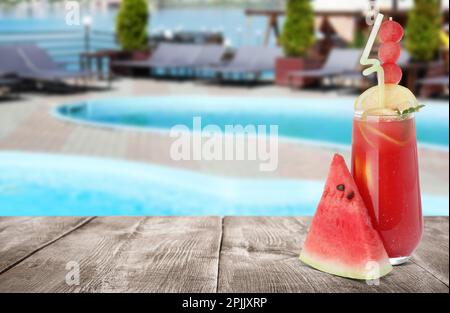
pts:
pixel 87 83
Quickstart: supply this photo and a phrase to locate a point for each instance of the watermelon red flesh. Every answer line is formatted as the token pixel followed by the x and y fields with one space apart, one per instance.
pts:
pixel 341 240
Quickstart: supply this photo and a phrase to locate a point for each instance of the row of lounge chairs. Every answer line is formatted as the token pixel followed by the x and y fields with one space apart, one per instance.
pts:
pixel 20 62
pixel 208 58
pixel 29 62
pixel 341 62
pixel 248 62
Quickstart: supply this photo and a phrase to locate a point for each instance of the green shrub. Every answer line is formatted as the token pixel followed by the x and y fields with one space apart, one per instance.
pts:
pixel 131 25
pixel 298 31
pixel 359 39
pixel 422 30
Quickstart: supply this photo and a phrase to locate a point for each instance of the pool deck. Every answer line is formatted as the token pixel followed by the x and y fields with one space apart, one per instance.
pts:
pixel 27 125
pixel 191 254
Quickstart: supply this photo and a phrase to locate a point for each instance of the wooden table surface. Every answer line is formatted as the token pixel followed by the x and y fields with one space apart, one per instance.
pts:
pixel 191 254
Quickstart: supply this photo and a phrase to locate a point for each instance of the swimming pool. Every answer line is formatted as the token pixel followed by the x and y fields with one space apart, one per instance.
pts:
pixel 315 120
pixel 42 184
pixel 48 185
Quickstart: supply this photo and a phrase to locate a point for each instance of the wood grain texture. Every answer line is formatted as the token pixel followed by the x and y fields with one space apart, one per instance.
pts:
pixel 181 254
pixel 22 236
pixel 260 254
pixel 134 254
pixel 432 253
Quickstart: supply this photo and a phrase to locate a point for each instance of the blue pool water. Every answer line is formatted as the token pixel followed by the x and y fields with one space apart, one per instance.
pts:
pixel 41 184
pixel 317 120
pixel 37 184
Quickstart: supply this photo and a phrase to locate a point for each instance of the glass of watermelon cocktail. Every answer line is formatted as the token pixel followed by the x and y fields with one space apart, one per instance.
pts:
pixel 384 148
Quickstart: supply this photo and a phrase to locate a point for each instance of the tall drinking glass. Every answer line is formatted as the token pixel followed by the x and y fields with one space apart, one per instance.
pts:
pixel 385 168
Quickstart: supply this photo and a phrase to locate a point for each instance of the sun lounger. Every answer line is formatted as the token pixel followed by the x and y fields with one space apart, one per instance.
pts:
pixel 9 86
pixel 248 60
pixel 166 55
pixel 41 66
pixel 339 62
pixel 437 85
pixel 185 56
pixel 175 56
pixel 10 62
pixel 4 81
pixel 435 81
pixel 32 62
pixel 160 57
pixel 8 81
pixel 210 55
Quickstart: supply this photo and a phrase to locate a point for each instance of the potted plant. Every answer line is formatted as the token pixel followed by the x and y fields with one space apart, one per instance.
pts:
pixel 131 28
pixel 422 38
pixel 296 39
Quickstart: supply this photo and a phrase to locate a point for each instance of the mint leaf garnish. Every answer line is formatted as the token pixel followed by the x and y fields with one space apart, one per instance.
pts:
pixel 409 110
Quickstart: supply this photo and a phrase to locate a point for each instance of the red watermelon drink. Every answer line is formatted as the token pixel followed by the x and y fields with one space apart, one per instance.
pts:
pixel 384 166
pixel 384 150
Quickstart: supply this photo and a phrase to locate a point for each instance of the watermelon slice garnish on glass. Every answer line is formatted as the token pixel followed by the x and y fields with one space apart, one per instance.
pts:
pixel 342 240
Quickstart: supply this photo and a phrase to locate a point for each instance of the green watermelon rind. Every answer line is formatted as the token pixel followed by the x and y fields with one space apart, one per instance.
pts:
pixel 338 258
pixel 342 270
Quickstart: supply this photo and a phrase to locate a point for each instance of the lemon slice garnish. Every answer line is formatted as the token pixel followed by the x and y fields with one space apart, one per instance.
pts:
pixel 396 99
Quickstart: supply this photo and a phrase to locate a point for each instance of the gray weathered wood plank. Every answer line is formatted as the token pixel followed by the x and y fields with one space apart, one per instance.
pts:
pixel 134 254
pixel 21 236
pixel 181 254
pixel 260 254
pixel 432 253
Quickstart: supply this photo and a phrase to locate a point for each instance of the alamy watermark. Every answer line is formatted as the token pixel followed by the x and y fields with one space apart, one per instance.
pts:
pixel 73 273
pixel 72 13
pixel 373 270
pixel 372 12
pixel 232 143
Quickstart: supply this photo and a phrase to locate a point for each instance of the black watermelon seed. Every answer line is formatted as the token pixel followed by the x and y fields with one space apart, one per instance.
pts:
pixel 350 195
pixel 340 187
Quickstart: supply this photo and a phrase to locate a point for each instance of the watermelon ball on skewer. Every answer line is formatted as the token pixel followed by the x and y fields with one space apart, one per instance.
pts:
pixel 390 35
pixel 391 31
pixel 392 73
pixel 389 52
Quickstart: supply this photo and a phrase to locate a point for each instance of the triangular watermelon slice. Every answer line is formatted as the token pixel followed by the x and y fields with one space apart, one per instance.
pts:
pixel 342 240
